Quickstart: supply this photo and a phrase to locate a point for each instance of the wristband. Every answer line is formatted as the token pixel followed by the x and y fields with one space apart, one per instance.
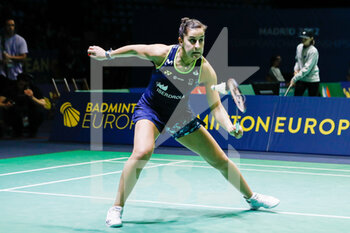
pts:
pixel 108 54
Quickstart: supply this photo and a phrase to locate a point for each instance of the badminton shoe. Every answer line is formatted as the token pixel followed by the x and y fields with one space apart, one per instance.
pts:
pixel 259 200
pixel 114 216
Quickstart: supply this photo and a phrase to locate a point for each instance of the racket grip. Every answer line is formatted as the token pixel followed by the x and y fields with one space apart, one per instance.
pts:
pixel 237 127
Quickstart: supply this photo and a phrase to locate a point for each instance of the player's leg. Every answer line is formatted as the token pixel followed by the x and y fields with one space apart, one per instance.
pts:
pixel 202 143
pixel 313 89
pixel 145 135
pixel 300 88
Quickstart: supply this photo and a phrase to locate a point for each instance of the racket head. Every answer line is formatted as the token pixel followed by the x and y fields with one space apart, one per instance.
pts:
pixel 236 95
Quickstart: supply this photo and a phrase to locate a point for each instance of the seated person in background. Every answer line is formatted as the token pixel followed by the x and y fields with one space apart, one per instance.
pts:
pixel 23 100
pixel 275 74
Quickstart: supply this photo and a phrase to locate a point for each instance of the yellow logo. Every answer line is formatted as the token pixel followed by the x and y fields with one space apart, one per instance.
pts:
pixel 347 92
pixel 71 116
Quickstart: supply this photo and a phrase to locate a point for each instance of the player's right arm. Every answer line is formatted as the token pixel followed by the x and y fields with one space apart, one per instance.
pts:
pixel 208 78
pixel 296 66
pixel 154 52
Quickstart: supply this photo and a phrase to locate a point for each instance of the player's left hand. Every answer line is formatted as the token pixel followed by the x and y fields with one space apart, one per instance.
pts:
pixel 292 82
pixel 238 134
pixel 97 53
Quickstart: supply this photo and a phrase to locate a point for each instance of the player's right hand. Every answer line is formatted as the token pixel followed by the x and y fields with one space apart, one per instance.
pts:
pixel 236 134
pixel 97 53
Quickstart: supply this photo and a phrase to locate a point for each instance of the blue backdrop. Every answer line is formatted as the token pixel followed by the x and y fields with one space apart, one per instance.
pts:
pixel 271 123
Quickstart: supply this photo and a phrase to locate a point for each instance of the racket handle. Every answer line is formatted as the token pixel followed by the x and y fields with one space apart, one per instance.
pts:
pixel 285 94
pixel 221 88
pixel 237 127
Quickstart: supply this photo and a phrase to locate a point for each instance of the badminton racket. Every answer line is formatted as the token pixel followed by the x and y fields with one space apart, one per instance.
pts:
pixel 285 94
pixel 231 87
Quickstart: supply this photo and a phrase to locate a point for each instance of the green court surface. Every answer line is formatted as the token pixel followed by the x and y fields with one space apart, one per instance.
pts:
pixel 72 191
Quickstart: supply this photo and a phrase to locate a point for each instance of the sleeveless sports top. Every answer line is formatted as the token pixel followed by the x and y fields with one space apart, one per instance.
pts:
pixel 169 86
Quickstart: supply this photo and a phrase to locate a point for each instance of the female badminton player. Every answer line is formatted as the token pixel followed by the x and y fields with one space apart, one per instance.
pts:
pixel 178 69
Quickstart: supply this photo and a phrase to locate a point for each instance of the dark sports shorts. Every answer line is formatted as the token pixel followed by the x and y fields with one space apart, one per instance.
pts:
pixel 192 126
pixel 182 127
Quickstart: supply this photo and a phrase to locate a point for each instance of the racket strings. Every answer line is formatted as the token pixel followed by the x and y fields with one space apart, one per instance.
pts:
pixel 236 94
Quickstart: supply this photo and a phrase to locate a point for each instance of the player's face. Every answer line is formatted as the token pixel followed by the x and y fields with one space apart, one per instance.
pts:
pixel 193 42
pixel 306 41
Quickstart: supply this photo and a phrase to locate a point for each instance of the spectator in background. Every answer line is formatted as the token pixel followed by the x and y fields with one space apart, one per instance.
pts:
pixel 275 74
pixel 23 104
pixel 13 50
pixel 306 72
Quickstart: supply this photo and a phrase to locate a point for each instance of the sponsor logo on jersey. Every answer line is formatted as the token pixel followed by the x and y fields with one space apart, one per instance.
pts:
pixel 161 89
pixel 169 62
pixel 177 78
pixel 167 72
pixel 190 81
pixel 161 86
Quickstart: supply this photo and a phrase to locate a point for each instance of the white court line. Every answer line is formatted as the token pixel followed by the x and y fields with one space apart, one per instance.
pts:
pixel 108 160
pixel 257 170
pixel 184 204
pixel 260 165
pixel 81 177
pixel 300 173
pixel 291 167
pixel 59 194
pixel 60 166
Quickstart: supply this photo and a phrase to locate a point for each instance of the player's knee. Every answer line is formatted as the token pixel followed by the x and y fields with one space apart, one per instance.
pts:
pixel 142 154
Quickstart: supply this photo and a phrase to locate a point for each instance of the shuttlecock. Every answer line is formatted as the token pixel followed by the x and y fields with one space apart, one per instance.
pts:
pixel 71 116
pixel 221 88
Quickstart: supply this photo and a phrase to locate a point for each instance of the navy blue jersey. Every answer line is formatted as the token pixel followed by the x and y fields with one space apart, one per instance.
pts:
pixel 168 88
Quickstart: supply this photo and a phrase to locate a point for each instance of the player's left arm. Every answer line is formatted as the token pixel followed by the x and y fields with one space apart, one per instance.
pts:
pixel 209 78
